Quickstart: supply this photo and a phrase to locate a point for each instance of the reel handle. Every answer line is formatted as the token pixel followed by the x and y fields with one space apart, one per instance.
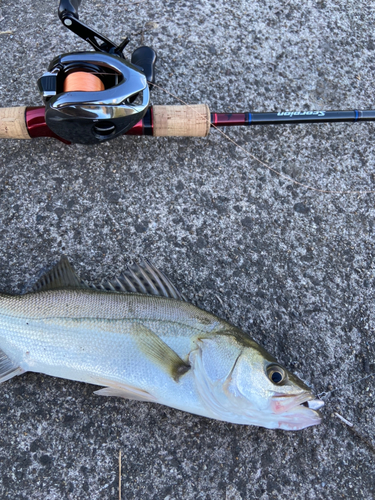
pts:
pixel 68 7
pixel 68 14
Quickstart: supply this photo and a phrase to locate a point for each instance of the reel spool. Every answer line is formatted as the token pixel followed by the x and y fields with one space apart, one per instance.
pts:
pixel 81 81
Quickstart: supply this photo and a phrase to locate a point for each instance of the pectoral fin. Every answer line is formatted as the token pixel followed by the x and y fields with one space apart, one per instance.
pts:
pixel 160 353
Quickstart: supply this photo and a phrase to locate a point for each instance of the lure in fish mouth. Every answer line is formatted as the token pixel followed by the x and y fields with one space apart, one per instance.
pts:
pixel 138 338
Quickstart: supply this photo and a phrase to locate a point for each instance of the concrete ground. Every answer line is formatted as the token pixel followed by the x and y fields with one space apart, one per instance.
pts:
pixel 293 266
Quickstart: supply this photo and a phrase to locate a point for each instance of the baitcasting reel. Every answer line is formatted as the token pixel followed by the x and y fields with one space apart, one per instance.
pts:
pixel 92 97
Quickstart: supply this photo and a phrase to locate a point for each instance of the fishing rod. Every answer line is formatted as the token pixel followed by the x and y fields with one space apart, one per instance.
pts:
pixel 95 96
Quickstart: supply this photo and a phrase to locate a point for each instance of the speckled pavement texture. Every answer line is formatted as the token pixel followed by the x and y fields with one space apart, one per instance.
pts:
pixel 291 266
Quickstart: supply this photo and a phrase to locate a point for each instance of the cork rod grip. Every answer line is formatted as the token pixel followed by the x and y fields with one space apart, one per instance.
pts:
pixel 177 121
pixel 12 123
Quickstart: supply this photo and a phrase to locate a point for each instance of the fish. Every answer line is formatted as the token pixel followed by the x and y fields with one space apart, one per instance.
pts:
pixel 137 337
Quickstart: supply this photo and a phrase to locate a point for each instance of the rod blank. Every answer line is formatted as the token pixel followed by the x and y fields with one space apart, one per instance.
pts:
pixel 290 117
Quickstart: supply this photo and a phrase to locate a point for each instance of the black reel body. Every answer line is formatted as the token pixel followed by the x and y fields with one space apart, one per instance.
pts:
pixel 90 117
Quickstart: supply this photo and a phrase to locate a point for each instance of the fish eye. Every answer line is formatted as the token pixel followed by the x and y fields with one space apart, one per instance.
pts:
pixel 276 374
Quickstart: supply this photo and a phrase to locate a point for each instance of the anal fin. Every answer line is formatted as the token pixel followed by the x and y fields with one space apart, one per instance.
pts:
pixel 8 369
pixel 127 392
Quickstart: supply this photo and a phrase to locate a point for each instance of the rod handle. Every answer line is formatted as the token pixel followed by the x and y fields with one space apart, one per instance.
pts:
pixel 13 124
pixel 181 121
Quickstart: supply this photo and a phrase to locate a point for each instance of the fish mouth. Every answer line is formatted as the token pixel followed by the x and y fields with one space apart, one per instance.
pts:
pixel 297 411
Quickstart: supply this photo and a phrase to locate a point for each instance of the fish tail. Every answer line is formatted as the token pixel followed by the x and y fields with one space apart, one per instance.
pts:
pixel 8 369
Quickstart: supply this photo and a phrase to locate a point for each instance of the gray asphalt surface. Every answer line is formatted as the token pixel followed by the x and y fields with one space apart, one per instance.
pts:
pixel 290 265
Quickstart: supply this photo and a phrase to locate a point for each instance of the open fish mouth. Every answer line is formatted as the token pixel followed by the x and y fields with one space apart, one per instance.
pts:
pixel 296 412
pixel 307 411
pixel 285 402
pixel 303 415
pixel 289 402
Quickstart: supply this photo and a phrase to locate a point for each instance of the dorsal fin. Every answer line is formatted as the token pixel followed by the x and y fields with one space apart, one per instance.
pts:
pixel 137 278
pixel 142 278
pixel 61 275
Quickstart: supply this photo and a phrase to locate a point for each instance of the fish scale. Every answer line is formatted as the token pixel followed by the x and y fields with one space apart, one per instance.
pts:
pixel 52 332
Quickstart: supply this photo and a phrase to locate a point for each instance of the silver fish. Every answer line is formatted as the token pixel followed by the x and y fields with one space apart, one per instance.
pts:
pixel 138 338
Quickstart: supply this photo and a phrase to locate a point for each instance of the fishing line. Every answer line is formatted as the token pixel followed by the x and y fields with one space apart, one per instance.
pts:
pixel 324 394
pixel 350 425
pixel 263 163
pixel 82 81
